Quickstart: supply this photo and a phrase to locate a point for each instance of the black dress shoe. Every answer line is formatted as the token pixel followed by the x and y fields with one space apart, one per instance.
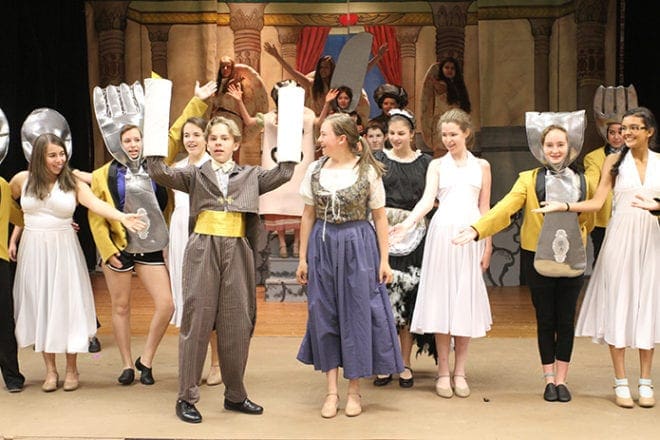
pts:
pixel 382 381
pixel 146 377
pixel 127 376
pixel 550 393
pixel 246 406
pixel 94 345
pixel 407 383
pixel 15 387
pixel 563 395
pixel 187 412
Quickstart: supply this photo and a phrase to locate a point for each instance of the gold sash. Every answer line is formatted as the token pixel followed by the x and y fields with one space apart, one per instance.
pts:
pixel 221 223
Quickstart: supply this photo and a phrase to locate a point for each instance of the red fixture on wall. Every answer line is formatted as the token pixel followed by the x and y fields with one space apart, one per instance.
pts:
pixel 348 19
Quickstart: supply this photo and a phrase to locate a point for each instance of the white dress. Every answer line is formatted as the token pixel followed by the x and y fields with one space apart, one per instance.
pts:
pixel 621 306
pixel 452 297
pixel 179 234
pixel 53 301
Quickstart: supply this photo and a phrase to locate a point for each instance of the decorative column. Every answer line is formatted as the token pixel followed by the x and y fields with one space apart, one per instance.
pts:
pixel 110 24
pixel 591 18
pixel 288 38
pixel 247 20
pixel 407 36
pixel 541 30
pixel 158 35
pixel 449 19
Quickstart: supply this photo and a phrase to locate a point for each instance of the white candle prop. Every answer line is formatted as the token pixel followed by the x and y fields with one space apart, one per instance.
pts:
pixel 290 109
pixel 157 96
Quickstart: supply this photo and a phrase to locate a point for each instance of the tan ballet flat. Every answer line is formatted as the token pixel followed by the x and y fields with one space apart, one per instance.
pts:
pixel 50 384
pixel 646 397
pixel 71 383
pixel 445 392
pixel 353 405
pixel 461 391
pixel 622 393
pixel 329 409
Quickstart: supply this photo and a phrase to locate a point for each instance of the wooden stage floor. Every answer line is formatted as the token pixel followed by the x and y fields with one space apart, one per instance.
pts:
pixel 513 313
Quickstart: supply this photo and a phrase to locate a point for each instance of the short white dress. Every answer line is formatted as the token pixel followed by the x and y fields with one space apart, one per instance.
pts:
pixel 621 306
pixel 179 234
pixel 53 300
pixel 452 297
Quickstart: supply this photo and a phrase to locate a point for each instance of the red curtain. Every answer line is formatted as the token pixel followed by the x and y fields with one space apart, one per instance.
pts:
pixel 390 64
pixel 310 47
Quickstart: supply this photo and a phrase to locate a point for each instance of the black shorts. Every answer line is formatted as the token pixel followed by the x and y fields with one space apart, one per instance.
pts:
pixel 128 261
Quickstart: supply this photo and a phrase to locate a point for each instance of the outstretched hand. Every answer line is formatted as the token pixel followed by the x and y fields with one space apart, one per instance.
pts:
pixel 465 236
pixel 550 206
pixel 235 91
pixel 271 49
pixel 206 91
pixel 647 203
pixel 133 222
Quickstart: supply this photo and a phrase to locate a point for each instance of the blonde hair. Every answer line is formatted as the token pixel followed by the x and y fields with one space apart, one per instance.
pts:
pixel 232 127
pixel 460 118
pixel 343 124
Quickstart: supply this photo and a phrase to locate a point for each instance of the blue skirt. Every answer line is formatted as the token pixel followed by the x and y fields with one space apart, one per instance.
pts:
pixel 349 323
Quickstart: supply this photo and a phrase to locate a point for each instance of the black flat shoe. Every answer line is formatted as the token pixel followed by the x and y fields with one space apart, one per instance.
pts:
pixel 563 395
pixel 246 406
pixel 146 377
pixel 550 393
pixel 15 387
pixel 407 383
pixel 187 412
pixel 382 381
pixel 127 376
pixel 94 345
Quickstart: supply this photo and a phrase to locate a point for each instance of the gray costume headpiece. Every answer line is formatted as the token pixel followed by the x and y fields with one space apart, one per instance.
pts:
pixel 560 251
pixel 40 121
pixel 573 122
pixel 610 103
pixel 4 136
pixel 116 107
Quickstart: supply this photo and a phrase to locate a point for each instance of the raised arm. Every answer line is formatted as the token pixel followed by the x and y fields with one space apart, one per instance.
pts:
pixel 327 106
pixel 236 92
pixel 298 76
pixel 381 51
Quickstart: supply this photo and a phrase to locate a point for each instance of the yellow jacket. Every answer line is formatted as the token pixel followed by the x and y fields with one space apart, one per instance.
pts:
pixel 593 164
pixel 110 236
pixel 523 195
pixel 10 212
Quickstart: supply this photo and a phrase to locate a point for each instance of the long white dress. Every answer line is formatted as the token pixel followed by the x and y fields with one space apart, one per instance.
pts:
pixel 179 234
pixel 53 301
pixel 621 306
pixel 452 297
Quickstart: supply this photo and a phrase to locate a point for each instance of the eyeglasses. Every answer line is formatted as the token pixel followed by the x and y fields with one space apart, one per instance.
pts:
pixel 632 128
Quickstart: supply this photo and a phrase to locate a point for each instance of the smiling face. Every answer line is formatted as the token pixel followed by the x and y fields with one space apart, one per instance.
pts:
pixel 555 147
pixel 614 135
pixel 375 138
pixel 389 104
pixel 131 142
pixel 454 138
pixel 193 140
pixel 325 69
pixel 55 160
pixel 328 140
pixel 220 143
pixel 400 136
pixel 635 132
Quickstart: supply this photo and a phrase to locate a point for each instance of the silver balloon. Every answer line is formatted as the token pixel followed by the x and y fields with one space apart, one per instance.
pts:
pixel 4 136
pixel 573 122
pixel 115 107
pixel 40 121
